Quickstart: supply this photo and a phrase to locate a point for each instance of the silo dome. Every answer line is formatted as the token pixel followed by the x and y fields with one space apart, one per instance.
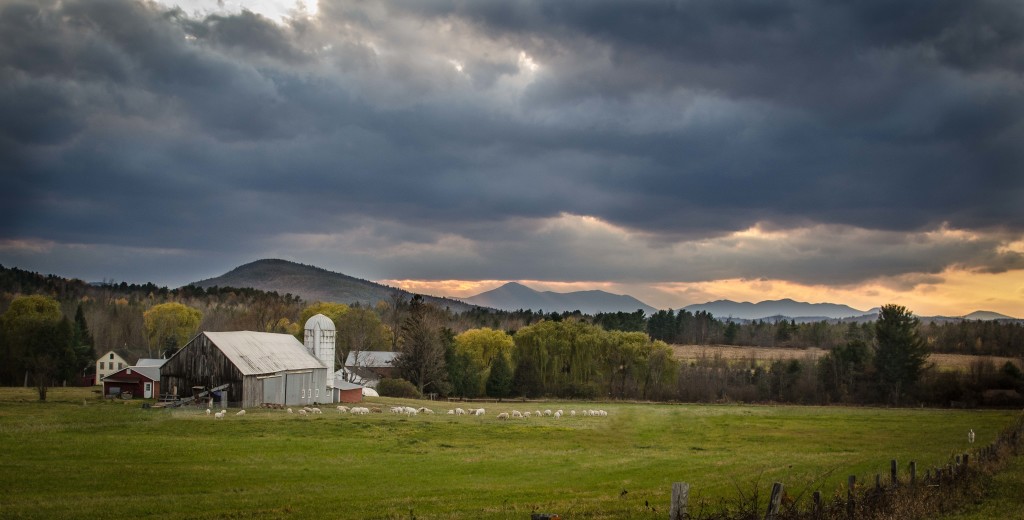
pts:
pixel 319 341
pixel 321 322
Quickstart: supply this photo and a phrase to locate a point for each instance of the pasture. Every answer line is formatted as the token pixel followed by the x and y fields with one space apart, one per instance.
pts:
pixel 105 459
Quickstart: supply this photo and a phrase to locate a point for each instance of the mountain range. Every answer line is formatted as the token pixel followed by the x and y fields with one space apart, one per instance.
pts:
pixel 316 284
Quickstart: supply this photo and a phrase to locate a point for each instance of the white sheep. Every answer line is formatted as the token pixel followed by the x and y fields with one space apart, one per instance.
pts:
pixel 547 413
pixel 572 413
pixel 460 411
pixel 451 412
pixel 558 414
pixel 218 415
pixel 526 415
pixel 516 414
pixel 503 416
pixel 478 411
pixel 343 409
pixel 317 411
pixel 426 410
pixel 538 413
pixel 302 411
pixel 240 413
pixel 970 436
pixel 208 412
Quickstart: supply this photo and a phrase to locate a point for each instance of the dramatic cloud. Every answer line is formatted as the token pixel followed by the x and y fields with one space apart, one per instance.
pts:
pixel 819 143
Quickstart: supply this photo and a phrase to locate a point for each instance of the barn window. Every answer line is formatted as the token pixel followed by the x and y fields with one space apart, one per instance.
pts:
pixel 101 366
pixel 303 393
pixel 111 355
pixel 318 392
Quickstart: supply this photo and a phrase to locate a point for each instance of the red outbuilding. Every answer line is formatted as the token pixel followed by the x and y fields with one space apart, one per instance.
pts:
pixel 139 381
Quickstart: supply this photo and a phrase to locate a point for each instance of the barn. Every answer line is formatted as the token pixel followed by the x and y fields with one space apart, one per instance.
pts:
pixel 259 367
pixel 138 381
pixel 345 392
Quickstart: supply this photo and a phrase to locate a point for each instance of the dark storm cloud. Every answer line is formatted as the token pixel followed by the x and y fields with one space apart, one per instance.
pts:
pixel 133 124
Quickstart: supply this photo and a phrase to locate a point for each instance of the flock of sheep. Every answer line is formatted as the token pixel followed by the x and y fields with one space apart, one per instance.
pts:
pixel 409 411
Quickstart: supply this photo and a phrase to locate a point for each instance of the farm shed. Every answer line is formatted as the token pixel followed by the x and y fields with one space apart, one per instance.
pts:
pixel 368 367
pixel 141 382
pixel 259 367
pixel 345 392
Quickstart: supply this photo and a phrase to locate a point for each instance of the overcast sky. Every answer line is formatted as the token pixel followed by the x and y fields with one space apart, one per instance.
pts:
pixel 856 152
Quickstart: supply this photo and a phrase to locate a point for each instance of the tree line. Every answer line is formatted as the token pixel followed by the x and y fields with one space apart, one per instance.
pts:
pixel 525 353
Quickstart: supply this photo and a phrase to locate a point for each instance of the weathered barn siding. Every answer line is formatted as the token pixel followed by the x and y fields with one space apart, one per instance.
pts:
pixel 201 363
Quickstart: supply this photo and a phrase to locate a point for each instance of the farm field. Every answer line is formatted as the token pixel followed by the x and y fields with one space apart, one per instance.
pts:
pixel 762 354
pixel 66 459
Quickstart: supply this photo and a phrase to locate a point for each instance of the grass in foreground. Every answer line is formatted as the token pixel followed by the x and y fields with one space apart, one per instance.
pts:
pixel 64 459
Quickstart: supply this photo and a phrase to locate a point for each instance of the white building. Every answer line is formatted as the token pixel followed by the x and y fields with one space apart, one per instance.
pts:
pixel 107 364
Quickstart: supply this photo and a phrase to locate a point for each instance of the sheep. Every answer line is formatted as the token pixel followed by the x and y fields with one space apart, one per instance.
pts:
pixel 218 415
pixel 558 414
pixel 526 415
pixel 547 413
pixel 538 413
pixel 317 411
pixel 426 410
pixel 586 413
pixel 240 413
pixel 360 410
pixel 303 412
pixel 289 410
pixel 451 412
pixel 503 416
pixel 460 411
pixel 970 436
pixel 376 409
pixel 208 412
pixel 572 413
pixel 478 411
pixel 397 409
pixel 516 414
pixel 343 409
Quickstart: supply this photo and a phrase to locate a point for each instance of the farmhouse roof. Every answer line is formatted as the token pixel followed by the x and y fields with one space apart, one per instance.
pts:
pixel 371 359
pixel 151 373
pixel 256 353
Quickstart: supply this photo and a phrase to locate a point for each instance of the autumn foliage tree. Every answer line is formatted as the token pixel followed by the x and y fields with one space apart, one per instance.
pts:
pixel 38 339
pixel 170 325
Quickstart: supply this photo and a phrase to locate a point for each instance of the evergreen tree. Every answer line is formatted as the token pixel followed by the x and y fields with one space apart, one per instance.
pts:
pixel 422 350
pixel 900 354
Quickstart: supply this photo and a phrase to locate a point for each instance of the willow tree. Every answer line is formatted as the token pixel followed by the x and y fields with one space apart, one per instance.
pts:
pixel 169 326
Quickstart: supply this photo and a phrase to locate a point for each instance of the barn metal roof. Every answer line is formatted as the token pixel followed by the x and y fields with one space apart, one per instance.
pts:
pixel 151 373
pixel 371 359
pixel 256 353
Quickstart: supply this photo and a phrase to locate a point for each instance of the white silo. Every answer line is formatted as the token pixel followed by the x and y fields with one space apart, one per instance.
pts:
pixel 319 341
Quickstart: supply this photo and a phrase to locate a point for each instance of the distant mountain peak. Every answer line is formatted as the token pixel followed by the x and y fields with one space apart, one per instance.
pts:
pixel 313 283
pixel 775 309
pixel 514 296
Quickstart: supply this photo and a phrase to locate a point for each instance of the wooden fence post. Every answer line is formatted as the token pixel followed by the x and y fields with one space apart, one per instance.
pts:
pixel 774 501
pixel 816 512
pixel 851 483
pixel 893 477
pixel 680 496
pixel 913 473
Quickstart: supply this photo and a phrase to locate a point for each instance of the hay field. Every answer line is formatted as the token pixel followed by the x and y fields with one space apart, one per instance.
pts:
pixel 765 354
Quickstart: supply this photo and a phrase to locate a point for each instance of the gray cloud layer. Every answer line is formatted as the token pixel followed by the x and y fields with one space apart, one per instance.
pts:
pixel 470 124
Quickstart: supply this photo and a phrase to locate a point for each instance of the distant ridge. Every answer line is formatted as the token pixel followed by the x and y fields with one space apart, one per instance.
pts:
pixel 773 310
pixel 514 296
pixel 315 284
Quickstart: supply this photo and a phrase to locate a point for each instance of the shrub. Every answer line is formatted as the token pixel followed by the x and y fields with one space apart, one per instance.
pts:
pixel 397 388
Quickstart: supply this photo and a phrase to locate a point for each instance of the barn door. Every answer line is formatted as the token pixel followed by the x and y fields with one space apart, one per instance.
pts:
pixel 148 390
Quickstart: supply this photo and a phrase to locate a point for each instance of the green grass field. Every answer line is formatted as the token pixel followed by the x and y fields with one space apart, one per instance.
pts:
pixel 63 459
